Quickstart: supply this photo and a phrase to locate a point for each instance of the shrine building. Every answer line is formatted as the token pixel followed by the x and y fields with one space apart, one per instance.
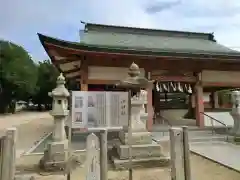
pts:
pixel 187 66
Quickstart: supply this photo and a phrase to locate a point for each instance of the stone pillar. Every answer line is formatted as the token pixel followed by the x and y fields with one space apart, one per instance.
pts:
pixel 9 155
pixel 236 114
pixel 56 154
pixel 177 151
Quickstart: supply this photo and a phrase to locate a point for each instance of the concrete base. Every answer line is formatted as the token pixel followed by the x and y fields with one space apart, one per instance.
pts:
pixel 139 151
pixel 137 137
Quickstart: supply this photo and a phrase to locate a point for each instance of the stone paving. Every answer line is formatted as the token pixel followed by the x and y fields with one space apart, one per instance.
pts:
pixel 227 154
pixel 224 153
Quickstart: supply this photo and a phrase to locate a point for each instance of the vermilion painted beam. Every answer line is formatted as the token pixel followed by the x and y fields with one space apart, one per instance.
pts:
pixel 174 79
pixel 153 62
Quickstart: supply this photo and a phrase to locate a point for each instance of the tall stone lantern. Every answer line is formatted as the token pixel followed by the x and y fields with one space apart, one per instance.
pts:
pixel 56 152
pixel 136 132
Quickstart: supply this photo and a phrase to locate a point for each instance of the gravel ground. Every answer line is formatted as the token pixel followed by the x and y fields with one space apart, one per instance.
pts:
pixel 31 127
pixel 202 169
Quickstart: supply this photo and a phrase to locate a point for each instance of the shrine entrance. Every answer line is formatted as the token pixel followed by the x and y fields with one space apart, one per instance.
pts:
pixel 172 101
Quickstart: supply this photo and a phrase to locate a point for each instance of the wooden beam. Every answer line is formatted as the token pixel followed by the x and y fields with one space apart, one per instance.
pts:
pixel 221 84
pixel 73 77
pixel 71 71
pixel 168 62
pixel 174 78
pixel 65 61
pixel 101 81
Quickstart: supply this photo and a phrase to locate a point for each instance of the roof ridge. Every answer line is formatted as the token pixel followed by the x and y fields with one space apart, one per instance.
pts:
pixel 146 31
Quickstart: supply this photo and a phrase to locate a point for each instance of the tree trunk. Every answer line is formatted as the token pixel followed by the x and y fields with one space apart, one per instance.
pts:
pixel 5 102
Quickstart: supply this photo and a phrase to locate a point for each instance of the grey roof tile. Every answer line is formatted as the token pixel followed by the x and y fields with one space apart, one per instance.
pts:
pixel 154 42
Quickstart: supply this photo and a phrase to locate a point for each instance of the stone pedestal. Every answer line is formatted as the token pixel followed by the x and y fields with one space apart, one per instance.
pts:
pixel 236 127
pixel 236 114
pixel 144 150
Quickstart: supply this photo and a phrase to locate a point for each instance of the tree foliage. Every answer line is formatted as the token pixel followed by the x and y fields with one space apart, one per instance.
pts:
pixel 18 74
pixel 46 82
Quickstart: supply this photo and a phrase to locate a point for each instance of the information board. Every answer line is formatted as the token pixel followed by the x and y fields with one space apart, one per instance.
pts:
pixel 99 109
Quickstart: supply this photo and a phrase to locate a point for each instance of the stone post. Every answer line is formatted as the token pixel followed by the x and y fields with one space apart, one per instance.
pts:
pixel 186 154
pixel 9 155
pixel 236 114
pixel 56 153
pixel 103 155
pixel 177 154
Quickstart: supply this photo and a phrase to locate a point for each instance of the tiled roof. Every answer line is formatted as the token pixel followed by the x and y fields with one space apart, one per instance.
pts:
pixel 149 39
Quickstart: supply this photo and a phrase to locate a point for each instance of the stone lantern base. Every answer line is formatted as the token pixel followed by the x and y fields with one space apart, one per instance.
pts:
pixel 55 156
pixel 145 152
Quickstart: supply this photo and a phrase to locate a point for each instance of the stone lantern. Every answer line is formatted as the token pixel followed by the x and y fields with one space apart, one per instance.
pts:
pixel 236 114
pixel 135 141
pixel 57 151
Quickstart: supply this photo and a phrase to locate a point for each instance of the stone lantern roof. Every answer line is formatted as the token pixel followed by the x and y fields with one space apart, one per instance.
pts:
pixel 134 80
pixel 60 90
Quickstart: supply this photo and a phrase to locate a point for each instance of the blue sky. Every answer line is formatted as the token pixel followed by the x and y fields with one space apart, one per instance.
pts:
pixel 20 20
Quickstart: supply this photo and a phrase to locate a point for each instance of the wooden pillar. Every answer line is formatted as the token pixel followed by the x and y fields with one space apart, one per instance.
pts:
pixel 149 105
pixel 84 76
pixel 199 102
pixel 215 100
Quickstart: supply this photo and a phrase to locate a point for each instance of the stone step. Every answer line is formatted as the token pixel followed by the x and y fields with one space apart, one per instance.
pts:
pixel 137 137
pixel 121 164
pixel 201 137
pixel 165 128
pixel 139 151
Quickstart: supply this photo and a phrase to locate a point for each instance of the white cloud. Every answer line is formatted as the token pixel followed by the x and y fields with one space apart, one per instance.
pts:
pixel 20 20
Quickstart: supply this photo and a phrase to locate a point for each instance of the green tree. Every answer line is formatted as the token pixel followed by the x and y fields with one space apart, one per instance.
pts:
pixel 18 74
pixel 47 76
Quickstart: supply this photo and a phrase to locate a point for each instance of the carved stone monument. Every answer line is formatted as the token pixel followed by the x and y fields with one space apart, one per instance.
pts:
pixel 143 149
pixel 92 160
pixel 56 153
pixel 236 114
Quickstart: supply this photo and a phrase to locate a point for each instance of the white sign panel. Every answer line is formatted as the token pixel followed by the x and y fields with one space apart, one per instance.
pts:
pixel 99 109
